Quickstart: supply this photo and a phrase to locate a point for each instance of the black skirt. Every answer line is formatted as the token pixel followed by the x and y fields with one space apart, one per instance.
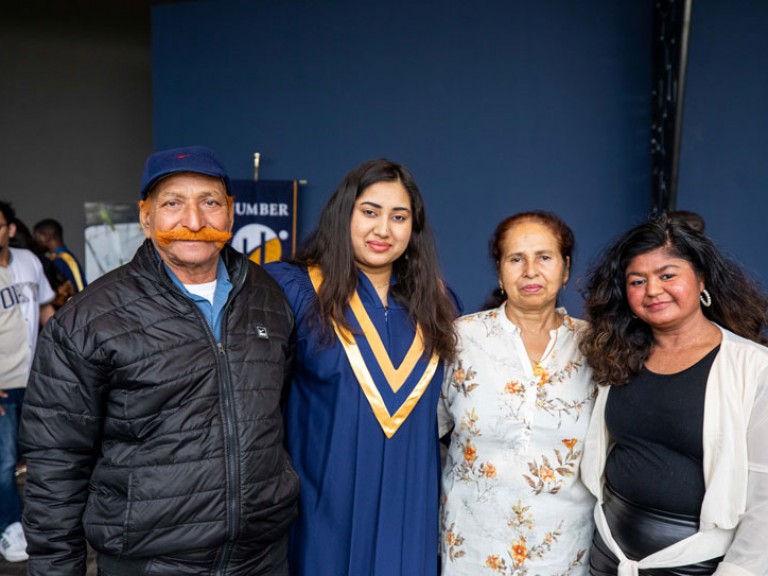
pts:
pixel 640 532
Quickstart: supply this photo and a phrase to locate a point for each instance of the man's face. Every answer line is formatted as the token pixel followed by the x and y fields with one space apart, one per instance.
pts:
pixel 189 218
pixel 7 230
pixel 42 239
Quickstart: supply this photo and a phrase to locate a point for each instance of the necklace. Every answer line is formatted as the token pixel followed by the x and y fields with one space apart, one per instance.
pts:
pixel 538 369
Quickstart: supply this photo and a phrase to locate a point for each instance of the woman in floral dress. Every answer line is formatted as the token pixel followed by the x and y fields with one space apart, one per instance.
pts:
pixel 517 404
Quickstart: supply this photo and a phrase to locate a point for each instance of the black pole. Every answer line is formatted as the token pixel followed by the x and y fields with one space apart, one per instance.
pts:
pixel 670 54
pixel 683 62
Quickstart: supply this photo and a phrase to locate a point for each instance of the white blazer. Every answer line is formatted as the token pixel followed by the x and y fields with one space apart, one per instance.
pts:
pixel 734 513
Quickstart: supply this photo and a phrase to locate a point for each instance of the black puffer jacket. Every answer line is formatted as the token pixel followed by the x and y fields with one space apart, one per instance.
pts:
pixel 144 434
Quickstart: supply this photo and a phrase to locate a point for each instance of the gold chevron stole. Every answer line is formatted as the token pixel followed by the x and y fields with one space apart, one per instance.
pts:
pixel 395 376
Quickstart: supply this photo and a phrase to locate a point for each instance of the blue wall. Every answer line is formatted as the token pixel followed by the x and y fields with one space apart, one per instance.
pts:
pixel 724 160
pixel 496 107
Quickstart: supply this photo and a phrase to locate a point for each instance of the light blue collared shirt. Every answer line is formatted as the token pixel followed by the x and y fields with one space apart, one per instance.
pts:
pixel 213 312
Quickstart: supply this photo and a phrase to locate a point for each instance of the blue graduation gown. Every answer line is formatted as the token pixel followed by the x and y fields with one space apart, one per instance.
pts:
pixel 369 504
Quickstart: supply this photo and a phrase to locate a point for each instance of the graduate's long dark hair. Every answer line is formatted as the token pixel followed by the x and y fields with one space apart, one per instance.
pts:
pixel 418 283
pixel 617 344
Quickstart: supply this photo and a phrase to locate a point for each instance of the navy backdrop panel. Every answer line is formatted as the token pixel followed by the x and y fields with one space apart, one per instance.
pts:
pixel 724 160
pixel 496 107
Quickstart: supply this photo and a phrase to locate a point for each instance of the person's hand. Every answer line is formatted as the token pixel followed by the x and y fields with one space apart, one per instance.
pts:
pixel 2 395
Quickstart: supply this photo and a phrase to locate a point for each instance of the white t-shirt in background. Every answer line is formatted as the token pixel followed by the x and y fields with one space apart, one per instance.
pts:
pixel 23 289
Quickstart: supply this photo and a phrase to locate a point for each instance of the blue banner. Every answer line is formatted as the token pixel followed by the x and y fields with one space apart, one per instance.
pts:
pixel 265 219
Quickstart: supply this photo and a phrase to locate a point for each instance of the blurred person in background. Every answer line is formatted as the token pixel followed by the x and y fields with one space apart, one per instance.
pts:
pixel 23 239
pixel 25 297
pixel 49 235
pixel 692 219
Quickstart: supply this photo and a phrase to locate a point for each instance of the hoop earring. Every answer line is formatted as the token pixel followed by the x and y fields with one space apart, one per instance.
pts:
pixel 706 299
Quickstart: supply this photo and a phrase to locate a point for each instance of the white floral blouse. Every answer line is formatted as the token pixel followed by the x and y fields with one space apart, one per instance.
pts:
pixel 512 501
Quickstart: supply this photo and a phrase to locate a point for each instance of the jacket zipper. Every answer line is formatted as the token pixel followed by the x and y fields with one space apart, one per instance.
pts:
pixel 230 458
pixel 231 443
pixel 228 415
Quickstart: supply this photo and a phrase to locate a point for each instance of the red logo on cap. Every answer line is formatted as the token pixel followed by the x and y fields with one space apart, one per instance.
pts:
pixel 180 156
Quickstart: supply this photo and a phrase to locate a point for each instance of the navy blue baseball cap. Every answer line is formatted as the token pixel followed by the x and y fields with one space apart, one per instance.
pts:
pixel 197 159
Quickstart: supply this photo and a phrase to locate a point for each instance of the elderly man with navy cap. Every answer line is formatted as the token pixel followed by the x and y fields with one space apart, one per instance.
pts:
pixel 152 424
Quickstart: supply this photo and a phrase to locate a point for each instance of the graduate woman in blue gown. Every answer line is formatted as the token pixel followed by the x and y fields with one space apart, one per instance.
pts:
pixel 373 328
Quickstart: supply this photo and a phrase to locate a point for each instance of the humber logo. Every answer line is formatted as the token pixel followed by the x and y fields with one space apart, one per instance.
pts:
pixel 260 243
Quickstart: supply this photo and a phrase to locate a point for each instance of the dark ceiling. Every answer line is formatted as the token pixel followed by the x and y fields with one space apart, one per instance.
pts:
pixel 76 8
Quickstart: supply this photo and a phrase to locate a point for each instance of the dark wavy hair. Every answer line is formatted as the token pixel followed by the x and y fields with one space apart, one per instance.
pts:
pixel 560 230
pixel 617 344
pixel 418 284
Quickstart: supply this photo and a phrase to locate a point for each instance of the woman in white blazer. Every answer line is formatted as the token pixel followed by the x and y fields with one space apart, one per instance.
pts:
pixel 677 450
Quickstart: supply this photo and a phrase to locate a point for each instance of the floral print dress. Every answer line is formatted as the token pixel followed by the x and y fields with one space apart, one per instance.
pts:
pixel 512 501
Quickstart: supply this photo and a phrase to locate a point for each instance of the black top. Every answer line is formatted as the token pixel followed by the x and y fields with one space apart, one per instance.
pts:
pixel 656 423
